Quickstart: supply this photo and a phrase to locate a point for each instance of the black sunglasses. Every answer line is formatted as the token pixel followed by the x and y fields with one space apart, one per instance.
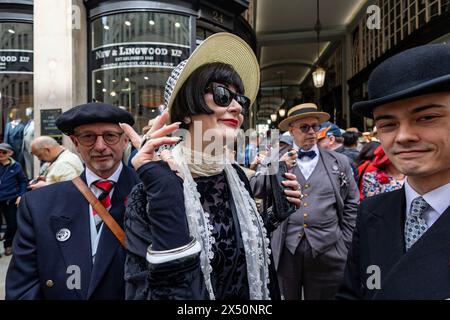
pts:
pixel 3 152
pixel 223 96
pixel 306 127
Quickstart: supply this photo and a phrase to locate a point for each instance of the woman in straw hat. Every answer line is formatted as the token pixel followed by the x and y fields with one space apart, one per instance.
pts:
pixel 193 230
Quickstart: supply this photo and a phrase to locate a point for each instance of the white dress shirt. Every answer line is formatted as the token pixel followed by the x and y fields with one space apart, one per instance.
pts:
pixel 438 199
pixel 91 177
pixel 306 164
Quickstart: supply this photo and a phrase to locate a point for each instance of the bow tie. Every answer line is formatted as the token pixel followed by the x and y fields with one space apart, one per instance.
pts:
pixel 310 154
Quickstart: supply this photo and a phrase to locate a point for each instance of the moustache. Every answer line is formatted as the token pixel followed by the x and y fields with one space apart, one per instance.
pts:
pixel 100 155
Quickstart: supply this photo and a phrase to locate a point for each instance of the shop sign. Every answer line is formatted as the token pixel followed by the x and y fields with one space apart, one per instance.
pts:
pixel 147 54
pixel 16 61
pixel 48 123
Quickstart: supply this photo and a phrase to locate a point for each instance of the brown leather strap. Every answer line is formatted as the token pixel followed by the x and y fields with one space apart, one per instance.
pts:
pixel 100 209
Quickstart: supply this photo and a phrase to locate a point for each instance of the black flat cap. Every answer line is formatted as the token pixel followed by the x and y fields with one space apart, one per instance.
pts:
pixel 92 113
pixel 414 72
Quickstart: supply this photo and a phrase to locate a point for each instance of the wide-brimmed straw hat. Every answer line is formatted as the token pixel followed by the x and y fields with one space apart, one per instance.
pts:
pixel 220 47
pixel 301 111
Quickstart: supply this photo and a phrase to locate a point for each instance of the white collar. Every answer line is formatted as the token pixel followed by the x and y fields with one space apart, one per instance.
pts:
pixel 91 176
pixel 438 198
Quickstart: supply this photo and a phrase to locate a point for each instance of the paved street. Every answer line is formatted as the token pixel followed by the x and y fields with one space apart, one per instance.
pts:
pixel 4 262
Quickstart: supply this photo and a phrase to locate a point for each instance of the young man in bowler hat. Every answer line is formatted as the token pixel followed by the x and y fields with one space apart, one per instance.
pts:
pixel 62 249
pixel 401 243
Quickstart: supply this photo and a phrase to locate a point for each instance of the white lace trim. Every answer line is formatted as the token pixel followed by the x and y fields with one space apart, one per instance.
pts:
pixel 254 237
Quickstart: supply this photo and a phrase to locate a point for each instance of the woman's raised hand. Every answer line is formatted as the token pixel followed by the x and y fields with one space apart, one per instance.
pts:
pixel 152 140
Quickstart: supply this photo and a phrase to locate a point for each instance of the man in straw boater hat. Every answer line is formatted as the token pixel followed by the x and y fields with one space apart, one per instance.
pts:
pixel 64 248
pixel 401 242
pixel 310 247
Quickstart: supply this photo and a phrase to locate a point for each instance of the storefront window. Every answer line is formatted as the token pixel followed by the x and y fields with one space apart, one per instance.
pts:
pixel 202 34
pixel 132 55
pixel 16 79
pixel 445 39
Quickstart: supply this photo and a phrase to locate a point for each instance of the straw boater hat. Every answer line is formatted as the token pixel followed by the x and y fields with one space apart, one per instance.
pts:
pixel 220 47
pixel 301 111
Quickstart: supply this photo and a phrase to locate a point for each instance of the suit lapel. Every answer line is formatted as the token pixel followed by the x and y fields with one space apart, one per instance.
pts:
pixel 108 244
pixel 387 227
pixel 17 129
pixel 76 250
pixel 423 271
pixel 332 169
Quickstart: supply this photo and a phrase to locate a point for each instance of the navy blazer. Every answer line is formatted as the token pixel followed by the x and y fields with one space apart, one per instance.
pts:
pixel 423 272
pixel 42 267
pixel 14 136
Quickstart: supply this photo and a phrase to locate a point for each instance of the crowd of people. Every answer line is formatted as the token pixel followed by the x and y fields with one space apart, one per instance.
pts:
pixel 171 214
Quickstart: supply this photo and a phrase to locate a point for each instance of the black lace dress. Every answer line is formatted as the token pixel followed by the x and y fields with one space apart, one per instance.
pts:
pixel 229 276
pixel 183 279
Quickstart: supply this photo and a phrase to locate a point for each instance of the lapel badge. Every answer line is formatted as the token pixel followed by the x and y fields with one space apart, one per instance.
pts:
pixel 343 179
pixel 63 235
pixel 335 168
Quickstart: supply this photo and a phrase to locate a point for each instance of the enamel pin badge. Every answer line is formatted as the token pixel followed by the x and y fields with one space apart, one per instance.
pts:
pixel 63 235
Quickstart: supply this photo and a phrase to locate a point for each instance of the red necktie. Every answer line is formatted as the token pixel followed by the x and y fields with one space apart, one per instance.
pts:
pixel 104 198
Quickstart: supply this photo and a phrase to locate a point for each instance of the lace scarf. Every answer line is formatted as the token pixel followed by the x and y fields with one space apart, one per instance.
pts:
pixel 203 165
pixel 253 232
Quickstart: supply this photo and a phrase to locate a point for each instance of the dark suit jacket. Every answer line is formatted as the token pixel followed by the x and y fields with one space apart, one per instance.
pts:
pixel 40 257
pixel 14 136
pixel 421 273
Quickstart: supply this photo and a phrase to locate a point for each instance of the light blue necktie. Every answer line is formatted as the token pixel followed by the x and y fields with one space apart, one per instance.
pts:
pixel 415 225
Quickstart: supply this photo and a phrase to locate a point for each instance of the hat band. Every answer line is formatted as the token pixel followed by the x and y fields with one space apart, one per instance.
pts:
pixel 301 111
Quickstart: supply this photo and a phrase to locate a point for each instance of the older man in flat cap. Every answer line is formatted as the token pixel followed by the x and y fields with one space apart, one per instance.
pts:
pixel 63 249
pixel 401 242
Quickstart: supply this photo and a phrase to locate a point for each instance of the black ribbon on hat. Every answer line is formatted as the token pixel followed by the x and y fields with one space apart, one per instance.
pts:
pixel 301 111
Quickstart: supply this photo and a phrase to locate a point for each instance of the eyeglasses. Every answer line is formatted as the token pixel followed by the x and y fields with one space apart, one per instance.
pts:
pixel 3 152
pixel 223 96
pixel 88 139
pixel 306 127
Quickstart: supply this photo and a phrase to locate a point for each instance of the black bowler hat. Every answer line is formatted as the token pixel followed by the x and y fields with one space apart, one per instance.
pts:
pixel 92 113
pixel 414 72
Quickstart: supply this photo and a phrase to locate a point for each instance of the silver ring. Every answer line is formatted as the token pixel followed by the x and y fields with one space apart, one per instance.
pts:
pixel 145 139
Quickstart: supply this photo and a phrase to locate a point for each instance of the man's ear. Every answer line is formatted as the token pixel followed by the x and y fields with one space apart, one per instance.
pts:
pixel 290 129
pixel 332 139
pixel 74 141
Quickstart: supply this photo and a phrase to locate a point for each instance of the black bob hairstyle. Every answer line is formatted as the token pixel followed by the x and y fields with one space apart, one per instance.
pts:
pixel 190 99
